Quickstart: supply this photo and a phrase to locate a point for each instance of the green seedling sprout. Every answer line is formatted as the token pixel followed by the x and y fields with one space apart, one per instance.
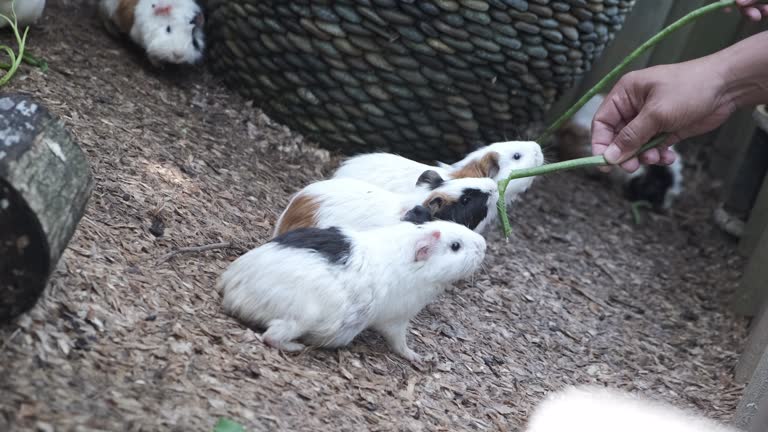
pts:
pixel 20 41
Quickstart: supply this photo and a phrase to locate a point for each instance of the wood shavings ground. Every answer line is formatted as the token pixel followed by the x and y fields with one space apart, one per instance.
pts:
pixel 126 341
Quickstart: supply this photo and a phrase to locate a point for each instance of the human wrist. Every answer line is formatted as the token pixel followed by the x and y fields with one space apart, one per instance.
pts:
pixel 742 72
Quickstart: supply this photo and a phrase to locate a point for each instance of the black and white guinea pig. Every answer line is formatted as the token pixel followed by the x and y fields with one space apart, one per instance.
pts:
pixel 27 11
pixel 396 173
pixel 348 202
pixel 597 409
pixel 660 185
pixel 323 286
pixel 170 31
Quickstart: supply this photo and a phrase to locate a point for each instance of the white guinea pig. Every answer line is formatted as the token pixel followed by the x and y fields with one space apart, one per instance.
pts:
pixel 659 185
pixel 348 202
pixel 396 173
pixel 323 286
pixel 170 31
pixel 594 409
pixel 27 11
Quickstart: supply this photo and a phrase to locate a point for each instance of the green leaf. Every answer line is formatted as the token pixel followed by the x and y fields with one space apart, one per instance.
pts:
pixel 227 425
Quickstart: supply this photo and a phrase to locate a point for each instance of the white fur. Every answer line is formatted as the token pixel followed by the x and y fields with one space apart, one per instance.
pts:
pixel 352 203
pixel 27 11
pixel 593 409
pixel 150 30
pixel 298 294
pixel 398 174
pixel 584 116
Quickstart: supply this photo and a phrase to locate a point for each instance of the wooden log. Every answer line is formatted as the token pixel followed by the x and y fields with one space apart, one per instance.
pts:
pixel 45 183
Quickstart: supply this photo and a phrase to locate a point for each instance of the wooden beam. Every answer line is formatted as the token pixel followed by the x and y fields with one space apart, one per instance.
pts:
pixel 752 411
pixel 753 288
pixel 45 184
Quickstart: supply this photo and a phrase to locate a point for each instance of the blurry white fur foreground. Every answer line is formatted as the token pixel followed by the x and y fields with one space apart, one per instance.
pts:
pixel 27 12
pixel 325 286
pixel 595 409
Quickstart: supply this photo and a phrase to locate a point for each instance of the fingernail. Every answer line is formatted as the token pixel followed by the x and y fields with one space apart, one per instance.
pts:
pixel 612 154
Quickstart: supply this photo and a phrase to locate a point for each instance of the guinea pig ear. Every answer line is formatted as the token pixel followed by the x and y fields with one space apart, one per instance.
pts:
pixel 435 203
pixel 489 164
pixel 160 9
pixel 431 179
pixel 426 245
pixel 199 19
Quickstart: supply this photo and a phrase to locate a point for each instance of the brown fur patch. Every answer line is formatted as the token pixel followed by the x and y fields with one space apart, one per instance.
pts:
pixel 301 213
pixel 124 15
pixel 486 166
pixel 573 142
pixel 436 201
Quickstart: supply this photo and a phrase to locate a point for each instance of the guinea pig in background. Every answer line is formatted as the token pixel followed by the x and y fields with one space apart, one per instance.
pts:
pixel 396 173
pixel 170 31
pixel 595 409
pixel 323 286
pixel 27 11
pixel 348 202
pixel 659 185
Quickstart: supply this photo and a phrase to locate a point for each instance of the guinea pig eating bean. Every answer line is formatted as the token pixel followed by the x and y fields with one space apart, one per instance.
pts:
pixel 323 286
pixel 170 31
pixel 395 173
pixel 347 202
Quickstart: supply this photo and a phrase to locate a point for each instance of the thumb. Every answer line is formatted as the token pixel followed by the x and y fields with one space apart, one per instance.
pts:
pixel 630 138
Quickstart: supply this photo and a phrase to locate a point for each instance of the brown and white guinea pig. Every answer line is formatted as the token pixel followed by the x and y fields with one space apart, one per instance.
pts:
pixel 395 173
pixel 169 31
pixel 27 11
pixel 657 184
pixel 596 409
pixel 346 202
pixel 323 286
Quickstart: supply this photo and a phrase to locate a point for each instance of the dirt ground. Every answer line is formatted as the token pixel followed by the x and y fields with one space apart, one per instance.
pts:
pixel 128 338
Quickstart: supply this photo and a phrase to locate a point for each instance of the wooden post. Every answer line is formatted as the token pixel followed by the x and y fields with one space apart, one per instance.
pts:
pixel 753 290
pixel 754 348
pixel 755 181
pixel 45 184
pixel 752 411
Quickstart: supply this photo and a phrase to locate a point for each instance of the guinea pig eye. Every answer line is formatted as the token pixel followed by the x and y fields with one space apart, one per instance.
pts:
pixel 168 29
pixel 517 156
pixel 455 246
pixel 464 200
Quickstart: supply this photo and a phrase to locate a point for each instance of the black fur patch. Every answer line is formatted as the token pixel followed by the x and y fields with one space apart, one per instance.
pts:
pixel 469 210
pixel 418 215
pixel 431 179
pixel 329 242
pixel 651 186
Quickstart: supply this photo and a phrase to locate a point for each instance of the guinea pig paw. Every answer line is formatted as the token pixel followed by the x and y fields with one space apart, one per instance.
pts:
pixel 283 345
pixel 411 356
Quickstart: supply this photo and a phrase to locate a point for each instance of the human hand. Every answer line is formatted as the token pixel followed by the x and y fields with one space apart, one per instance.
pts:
pixel 683 100
pixel 751 9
